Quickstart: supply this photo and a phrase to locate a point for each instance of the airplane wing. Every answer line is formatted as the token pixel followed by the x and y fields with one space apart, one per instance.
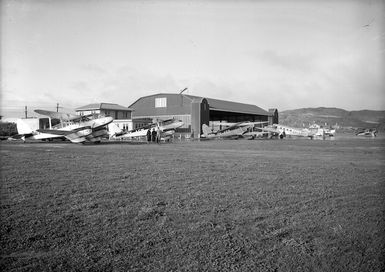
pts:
pixel 215 123
pixel 59 115
pixel 267 129
pixel 240 124
pixel 159 120
pixel 140 129
pixel 76 118
pixel 132 134
pixel 235 125
pixel 254 123
pixel 62 132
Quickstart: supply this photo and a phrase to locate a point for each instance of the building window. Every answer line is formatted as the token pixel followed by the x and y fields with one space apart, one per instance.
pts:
pixel 161 102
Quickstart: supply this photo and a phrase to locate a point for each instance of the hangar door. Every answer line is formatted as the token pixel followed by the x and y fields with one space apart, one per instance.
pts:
pixel 200 115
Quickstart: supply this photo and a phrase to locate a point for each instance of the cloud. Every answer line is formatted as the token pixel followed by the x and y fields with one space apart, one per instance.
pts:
pixel 122 85
pixel 286 61
pixel 95 69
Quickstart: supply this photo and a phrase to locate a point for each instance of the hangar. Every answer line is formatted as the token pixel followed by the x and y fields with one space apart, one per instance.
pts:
pixel 195 111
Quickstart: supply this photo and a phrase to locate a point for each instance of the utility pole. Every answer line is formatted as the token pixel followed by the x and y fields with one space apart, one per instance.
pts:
pixel 57 107
pixel 25 112
pixel 183 90
pixel 181 93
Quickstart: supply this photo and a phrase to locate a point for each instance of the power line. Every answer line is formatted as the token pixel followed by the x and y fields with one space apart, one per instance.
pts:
pixel 27 111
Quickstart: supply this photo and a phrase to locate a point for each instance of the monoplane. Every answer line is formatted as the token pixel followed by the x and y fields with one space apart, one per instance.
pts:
pixel 282 131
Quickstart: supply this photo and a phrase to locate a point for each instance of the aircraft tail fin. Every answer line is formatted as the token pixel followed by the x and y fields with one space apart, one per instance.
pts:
pixel 114 130
pixel 206 130
pixel 23 127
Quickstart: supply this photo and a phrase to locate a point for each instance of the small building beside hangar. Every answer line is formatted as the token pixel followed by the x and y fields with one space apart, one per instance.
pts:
pixel 195 111
pixel 273 116
pixel 122 115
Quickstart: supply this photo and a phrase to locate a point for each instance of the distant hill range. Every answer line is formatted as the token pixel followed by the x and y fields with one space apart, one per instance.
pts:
pixel 333 117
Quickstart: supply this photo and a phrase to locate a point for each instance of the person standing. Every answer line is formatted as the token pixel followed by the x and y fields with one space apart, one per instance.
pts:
pixel 153 135
pixel 157 134
pixel 149 135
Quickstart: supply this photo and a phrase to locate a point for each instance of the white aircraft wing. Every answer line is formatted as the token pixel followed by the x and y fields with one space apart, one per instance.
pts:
pixel 74 135
pixel 268 129
pixel 240 124
pixel 63 132
pixel 58 115
pixel 134 133
pixel 254 123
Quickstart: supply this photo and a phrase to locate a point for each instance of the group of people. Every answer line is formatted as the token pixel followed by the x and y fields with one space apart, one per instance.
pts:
pixel 154 135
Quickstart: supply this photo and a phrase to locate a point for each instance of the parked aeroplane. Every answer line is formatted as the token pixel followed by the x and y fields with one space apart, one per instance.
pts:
pixel 369 132
pixel 77 129
pixel 282 131
pixel 329 132
pixel 167 129
pixel 232 130
pixel 320 131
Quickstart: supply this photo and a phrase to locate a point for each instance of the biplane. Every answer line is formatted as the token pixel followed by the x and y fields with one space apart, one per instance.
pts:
pixel 166 127
pixel 231 130
pixel 77 129
pixel 368 132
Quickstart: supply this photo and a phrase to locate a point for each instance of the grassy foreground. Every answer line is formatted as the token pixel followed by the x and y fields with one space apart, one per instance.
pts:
pixel 291 205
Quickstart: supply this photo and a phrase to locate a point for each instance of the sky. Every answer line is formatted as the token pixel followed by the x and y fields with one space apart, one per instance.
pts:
pixel 273 54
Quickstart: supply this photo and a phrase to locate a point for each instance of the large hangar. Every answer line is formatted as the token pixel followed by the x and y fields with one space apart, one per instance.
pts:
pixel 195 111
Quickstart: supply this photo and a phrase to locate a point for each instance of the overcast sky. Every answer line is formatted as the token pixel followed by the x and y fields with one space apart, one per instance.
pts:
pixel 274 54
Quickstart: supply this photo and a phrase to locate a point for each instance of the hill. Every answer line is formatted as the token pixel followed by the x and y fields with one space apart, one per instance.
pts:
pixel 335 117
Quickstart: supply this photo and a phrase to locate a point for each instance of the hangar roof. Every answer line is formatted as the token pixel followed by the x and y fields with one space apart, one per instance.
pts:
pixel 216 104
pixel 103 106
pixel 223 105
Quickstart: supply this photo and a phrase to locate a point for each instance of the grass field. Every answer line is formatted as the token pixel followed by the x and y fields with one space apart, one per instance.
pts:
pixel 267 205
